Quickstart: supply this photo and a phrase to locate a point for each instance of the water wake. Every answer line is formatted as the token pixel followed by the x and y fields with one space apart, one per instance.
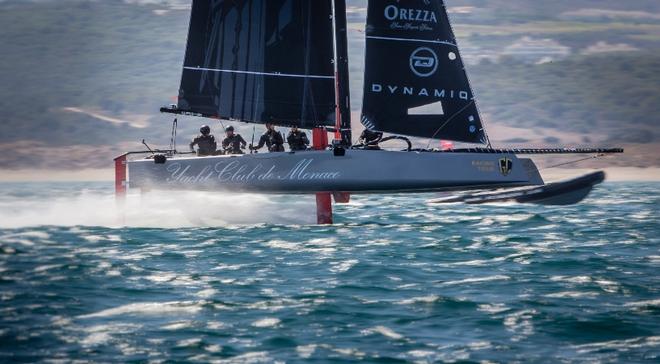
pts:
pixel 154 210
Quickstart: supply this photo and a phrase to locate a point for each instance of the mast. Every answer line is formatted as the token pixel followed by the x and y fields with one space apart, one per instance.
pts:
pixel 343 98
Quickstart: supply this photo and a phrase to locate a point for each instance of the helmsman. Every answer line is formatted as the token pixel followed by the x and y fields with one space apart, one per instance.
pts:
pixel 233 143
pixel 297 139
pixel 205 142
pixel 271 138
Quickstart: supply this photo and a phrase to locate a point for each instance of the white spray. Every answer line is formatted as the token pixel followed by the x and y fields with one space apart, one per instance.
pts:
pixel 155 209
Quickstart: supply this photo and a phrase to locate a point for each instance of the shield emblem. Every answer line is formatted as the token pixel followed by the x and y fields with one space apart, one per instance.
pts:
pixel 505 166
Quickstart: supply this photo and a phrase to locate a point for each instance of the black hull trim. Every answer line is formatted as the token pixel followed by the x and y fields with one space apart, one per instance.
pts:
pixel 554 194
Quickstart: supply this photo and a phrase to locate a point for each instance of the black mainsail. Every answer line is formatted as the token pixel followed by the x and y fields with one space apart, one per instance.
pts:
pixel 415 82
pixel 261 61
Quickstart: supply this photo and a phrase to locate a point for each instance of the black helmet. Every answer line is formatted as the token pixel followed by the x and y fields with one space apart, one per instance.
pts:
pixel 205 129
pixel 229 128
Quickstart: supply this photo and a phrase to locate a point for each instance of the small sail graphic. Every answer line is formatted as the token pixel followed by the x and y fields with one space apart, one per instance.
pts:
pixel 260 61
pixel 415 83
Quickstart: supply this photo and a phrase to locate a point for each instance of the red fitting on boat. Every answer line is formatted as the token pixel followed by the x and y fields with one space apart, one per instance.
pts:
pixel 342 197
pixel 324 208
pixel 319 138
pixel 121 172
pixel 323 199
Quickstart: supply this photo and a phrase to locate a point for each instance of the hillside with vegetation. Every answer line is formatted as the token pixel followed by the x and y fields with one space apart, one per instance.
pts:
pixel 83 80
pixel 616 98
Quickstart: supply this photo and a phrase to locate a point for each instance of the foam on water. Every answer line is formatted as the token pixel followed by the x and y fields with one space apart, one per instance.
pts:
pixel 266 322
pixel 382 330
pixel 476 280
pixel 148 308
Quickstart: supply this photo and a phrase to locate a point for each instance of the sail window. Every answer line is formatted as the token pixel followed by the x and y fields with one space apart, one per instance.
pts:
pixel 429 109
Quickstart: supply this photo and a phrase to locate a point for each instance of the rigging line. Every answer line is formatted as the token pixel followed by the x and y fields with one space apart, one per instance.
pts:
pixel 176 128
pixel 448 121
pixel 173 136
pixel 467 76
pixel 573 162
pixel 254 116
pixel 222 125
pixel 254 130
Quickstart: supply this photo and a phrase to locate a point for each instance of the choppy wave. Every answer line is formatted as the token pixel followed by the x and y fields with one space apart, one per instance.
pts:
pixel 394 280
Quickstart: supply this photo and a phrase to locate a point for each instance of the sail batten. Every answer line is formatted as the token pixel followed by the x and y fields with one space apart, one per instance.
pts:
pixel 277 74
pixel 412 40
pixel 415 81
pixel 261 61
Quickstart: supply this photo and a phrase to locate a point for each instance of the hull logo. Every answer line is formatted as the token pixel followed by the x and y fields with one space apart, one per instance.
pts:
pixel 232 170
pixel 505 166
pixel 423 62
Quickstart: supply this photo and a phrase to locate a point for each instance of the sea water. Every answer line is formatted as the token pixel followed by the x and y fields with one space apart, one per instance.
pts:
pixel 249 279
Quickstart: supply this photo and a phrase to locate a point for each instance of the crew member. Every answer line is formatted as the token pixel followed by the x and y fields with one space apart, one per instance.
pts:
pixel 297 139
pixel 271 138
pixel 205 142
pixel 370 139
pixel 233 143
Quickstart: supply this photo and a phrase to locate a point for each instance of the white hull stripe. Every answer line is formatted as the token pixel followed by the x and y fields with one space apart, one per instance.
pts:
pixel 257 73
pixel 412 40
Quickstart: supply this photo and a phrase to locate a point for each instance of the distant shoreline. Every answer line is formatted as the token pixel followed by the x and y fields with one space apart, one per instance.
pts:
pixel 614 174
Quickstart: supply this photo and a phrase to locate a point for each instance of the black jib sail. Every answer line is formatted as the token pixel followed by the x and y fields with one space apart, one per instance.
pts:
pixel 260 61
pixel 415 82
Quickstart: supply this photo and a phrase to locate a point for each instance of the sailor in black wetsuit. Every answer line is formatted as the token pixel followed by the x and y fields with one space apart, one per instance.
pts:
pixel 205 142
pixel 297 139
pixel 370 139
pixel 272 139
pixel 233 143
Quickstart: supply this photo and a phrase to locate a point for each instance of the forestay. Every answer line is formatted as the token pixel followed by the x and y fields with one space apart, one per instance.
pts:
pixel 260 61
pixel 415 81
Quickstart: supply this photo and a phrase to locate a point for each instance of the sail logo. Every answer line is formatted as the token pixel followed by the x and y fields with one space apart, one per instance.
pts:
pixel 419 92
pixel 393 13
pixel 423 62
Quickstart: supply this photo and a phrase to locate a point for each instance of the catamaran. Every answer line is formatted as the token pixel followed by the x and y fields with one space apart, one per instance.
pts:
pixel 285 62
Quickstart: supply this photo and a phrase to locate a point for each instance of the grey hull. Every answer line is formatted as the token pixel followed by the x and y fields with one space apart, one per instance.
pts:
pixel 359 171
